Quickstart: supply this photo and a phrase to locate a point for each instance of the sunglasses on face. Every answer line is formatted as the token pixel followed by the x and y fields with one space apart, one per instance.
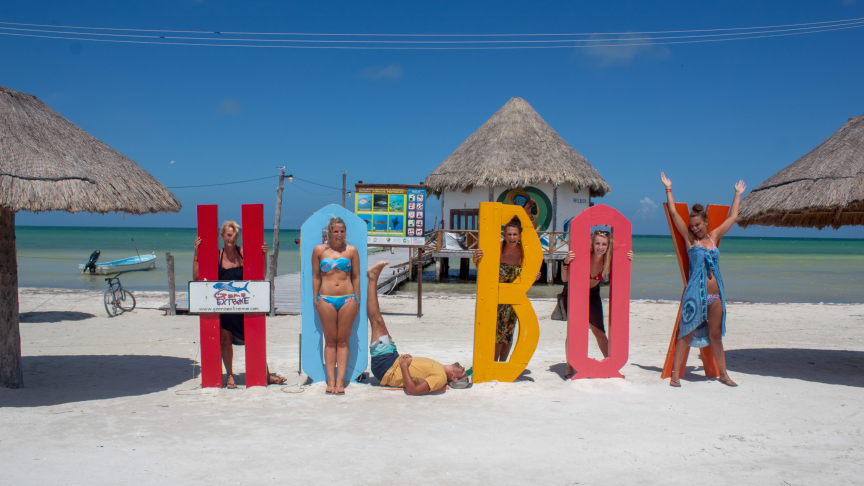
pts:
pixel 603 232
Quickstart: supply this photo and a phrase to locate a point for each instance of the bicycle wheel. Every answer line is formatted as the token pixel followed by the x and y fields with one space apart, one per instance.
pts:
pixel 127 300
pixel 110 303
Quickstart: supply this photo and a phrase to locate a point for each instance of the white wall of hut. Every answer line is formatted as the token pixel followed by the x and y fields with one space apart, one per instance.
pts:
pixel 569 202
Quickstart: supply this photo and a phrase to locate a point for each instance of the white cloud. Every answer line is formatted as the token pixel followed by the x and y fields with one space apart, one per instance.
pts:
pixel 647 208
pixel 391 72
pixel 612 53
pixel 229 107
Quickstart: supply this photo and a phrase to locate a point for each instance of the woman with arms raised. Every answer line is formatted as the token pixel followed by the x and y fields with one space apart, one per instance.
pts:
pixel 508 270
pixel 231 268
pixel 336 287
pixel 703 307
pixel 601 264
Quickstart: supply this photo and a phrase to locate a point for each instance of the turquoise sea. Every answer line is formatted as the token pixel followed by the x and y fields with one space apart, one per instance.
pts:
pixel 753 269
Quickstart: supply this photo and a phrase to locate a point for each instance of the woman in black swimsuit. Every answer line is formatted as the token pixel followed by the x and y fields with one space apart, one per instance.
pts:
pixel 601 264
pixel 231 268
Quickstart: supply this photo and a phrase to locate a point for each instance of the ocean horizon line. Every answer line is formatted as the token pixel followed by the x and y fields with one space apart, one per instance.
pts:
pixel 641 235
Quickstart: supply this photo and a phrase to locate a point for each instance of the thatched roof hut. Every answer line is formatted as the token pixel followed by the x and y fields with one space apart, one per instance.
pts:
pixel 49 164
pixel 823 188
pixel 515 148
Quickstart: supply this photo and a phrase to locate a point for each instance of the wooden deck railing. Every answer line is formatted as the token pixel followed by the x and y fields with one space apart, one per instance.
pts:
pixel 435 240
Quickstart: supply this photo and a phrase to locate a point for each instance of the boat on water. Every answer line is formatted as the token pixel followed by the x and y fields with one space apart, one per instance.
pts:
pixel 131 264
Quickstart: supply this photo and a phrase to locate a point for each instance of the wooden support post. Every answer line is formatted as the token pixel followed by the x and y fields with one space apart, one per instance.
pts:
pixel 255 325
pixel 11 370
pixel 549 276
pixel 273 286
pixel 463 268
pixel 274 252
pixel 420 282
pixel 208 269
pixel 172 297
pixel 438 268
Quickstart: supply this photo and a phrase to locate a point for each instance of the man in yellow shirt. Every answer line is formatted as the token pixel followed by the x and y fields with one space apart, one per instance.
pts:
pixel 418 376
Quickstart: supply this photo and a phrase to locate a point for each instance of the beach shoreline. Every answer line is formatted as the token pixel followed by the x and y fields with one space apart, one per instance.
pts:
pixel 115 398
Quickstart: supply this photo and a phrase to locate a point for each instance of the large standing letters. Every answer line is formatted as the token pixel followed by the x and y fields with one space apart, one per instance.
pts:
pixel 313 346
pixel 716 216
pixel 490 293
pixel 619 294
pixel 253 269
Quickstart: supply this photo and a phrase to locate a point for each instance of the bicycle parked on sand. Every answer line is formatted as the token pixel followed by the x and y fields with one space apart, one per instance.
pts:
pixel 117 299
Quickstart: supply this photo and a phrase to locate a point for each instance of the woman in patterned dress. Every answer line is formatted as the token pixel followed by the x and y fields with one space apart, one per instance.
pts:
pixel 509 269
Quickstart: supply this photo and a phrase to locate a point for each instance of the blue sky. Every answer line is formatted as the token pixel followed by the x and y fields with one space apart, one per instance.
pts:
pixel 706 113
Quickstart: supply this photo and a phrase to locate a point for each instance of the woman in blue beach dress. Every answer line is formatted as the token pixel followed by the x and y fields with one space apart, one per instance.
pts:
pixel 703 307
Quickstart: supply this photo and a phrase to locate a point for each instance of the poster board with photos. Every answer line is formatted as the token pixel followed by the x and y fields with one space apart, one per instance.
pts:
pixel 395 215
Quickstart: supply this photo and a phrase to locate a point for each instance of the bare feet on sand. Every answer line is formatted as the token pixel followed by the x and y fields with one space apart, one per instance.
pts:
pixel 376 269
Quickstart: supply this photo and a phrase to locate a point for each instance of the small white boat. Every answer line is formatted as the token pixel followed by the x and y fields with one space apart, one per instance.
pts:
pixel 131 264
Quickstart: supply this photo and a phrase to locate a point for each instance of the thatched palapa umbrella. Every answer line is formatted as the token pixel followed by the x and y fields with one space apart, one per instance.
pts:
pixel 515 148
pixel 823 188
pixel 47 163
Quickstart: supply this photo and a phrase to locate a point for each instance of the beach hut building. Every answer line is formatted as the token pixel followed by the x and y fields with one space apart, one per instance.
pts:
pixel 47 163
pixel 515 158
pixel 823 188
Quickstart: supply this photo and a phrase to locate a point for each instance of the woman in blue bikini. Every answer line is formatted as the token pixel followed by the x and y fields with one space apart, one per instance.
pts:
pixel 703 307
pixel 335 285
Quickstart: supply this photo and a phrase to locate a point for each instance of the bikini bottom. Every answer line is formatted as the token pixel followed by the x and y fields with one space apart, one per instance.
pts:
pixel 338 301
pixel 713 298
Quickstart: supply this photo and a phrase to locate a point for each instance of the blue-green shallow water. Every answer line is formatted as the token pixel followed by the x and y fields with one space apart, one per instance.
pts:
pixel 753 269
pixel 49 256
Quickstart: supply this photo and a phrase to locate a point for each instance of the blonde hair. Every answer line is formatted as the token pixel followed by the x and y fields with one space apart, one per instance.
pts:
pixel 230 224
pixel 607 257
pixel 332 223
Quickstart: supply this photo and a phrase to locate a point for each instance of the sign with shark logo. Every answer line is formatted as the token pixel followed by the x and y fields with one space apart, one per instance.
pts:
pixel 234 297
pixel 393 213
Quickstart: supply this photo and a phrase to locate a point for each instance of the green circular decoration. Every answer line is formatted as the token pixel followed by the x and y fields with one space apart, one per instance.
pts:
pixel 544 205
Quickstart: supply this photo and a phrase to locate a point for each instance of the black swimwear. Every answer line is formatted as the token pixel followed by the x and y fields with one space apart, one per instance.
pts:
pixel 595 306
pixel 232 322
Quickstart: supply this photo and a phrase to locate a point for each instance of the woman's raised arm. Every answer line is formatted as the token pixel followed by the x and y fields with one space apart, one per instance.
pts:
pixel 721 230
pixel 680 224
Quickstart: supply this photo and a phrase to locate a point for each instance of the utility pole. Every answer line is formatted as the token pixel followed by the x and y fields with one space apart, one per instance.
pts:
pixel 274 256
pixel 344 174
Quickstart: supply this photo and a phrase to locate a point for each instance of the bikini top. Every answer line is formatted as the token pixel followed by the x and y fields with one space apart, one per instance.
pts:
pixel 599 276
pixel 328 264
pixel 699 244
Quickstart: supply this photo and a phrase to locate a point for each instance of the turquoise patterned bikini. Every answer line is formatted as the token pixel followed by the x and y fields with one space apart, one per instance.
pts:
pixel 694 304
pixel 344 264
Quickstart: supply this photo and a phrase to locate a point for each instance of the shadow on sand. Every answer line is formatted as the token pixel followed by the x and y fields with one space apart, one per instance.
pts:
pixel 54 380
pixel 54 316
pixel 828 366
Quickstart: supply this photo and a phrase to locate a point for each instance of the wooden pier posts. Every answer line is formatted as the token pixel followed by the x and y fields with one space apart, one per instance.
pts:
pixel 172 297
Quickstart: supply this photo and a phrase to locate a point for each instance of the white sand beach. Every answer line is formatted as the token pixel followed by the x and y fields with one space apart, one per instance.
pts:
pixel 117 401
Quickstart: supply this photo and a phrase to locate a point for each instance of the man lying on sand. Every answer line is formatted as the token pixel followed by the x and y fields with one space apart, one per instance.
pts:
pixel 423 375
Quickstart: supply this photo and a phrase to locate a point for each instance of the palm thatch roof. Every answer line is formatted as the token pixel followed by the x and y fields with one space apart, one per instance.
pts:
pixel 515 148
pixel 47 163
pixel 823 188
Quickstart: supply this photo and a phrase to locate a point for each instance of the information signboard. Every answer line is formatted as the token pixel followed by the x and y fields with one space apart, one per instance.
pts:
pixel 234 297
pixel 395 215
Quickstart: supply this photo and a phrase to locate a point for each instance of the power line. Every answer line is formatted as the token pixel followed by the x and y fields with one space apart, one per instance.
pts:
pixel 425 45
pixel 322 185
pixel 223 183
pixel 628 37
pixel 432 35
